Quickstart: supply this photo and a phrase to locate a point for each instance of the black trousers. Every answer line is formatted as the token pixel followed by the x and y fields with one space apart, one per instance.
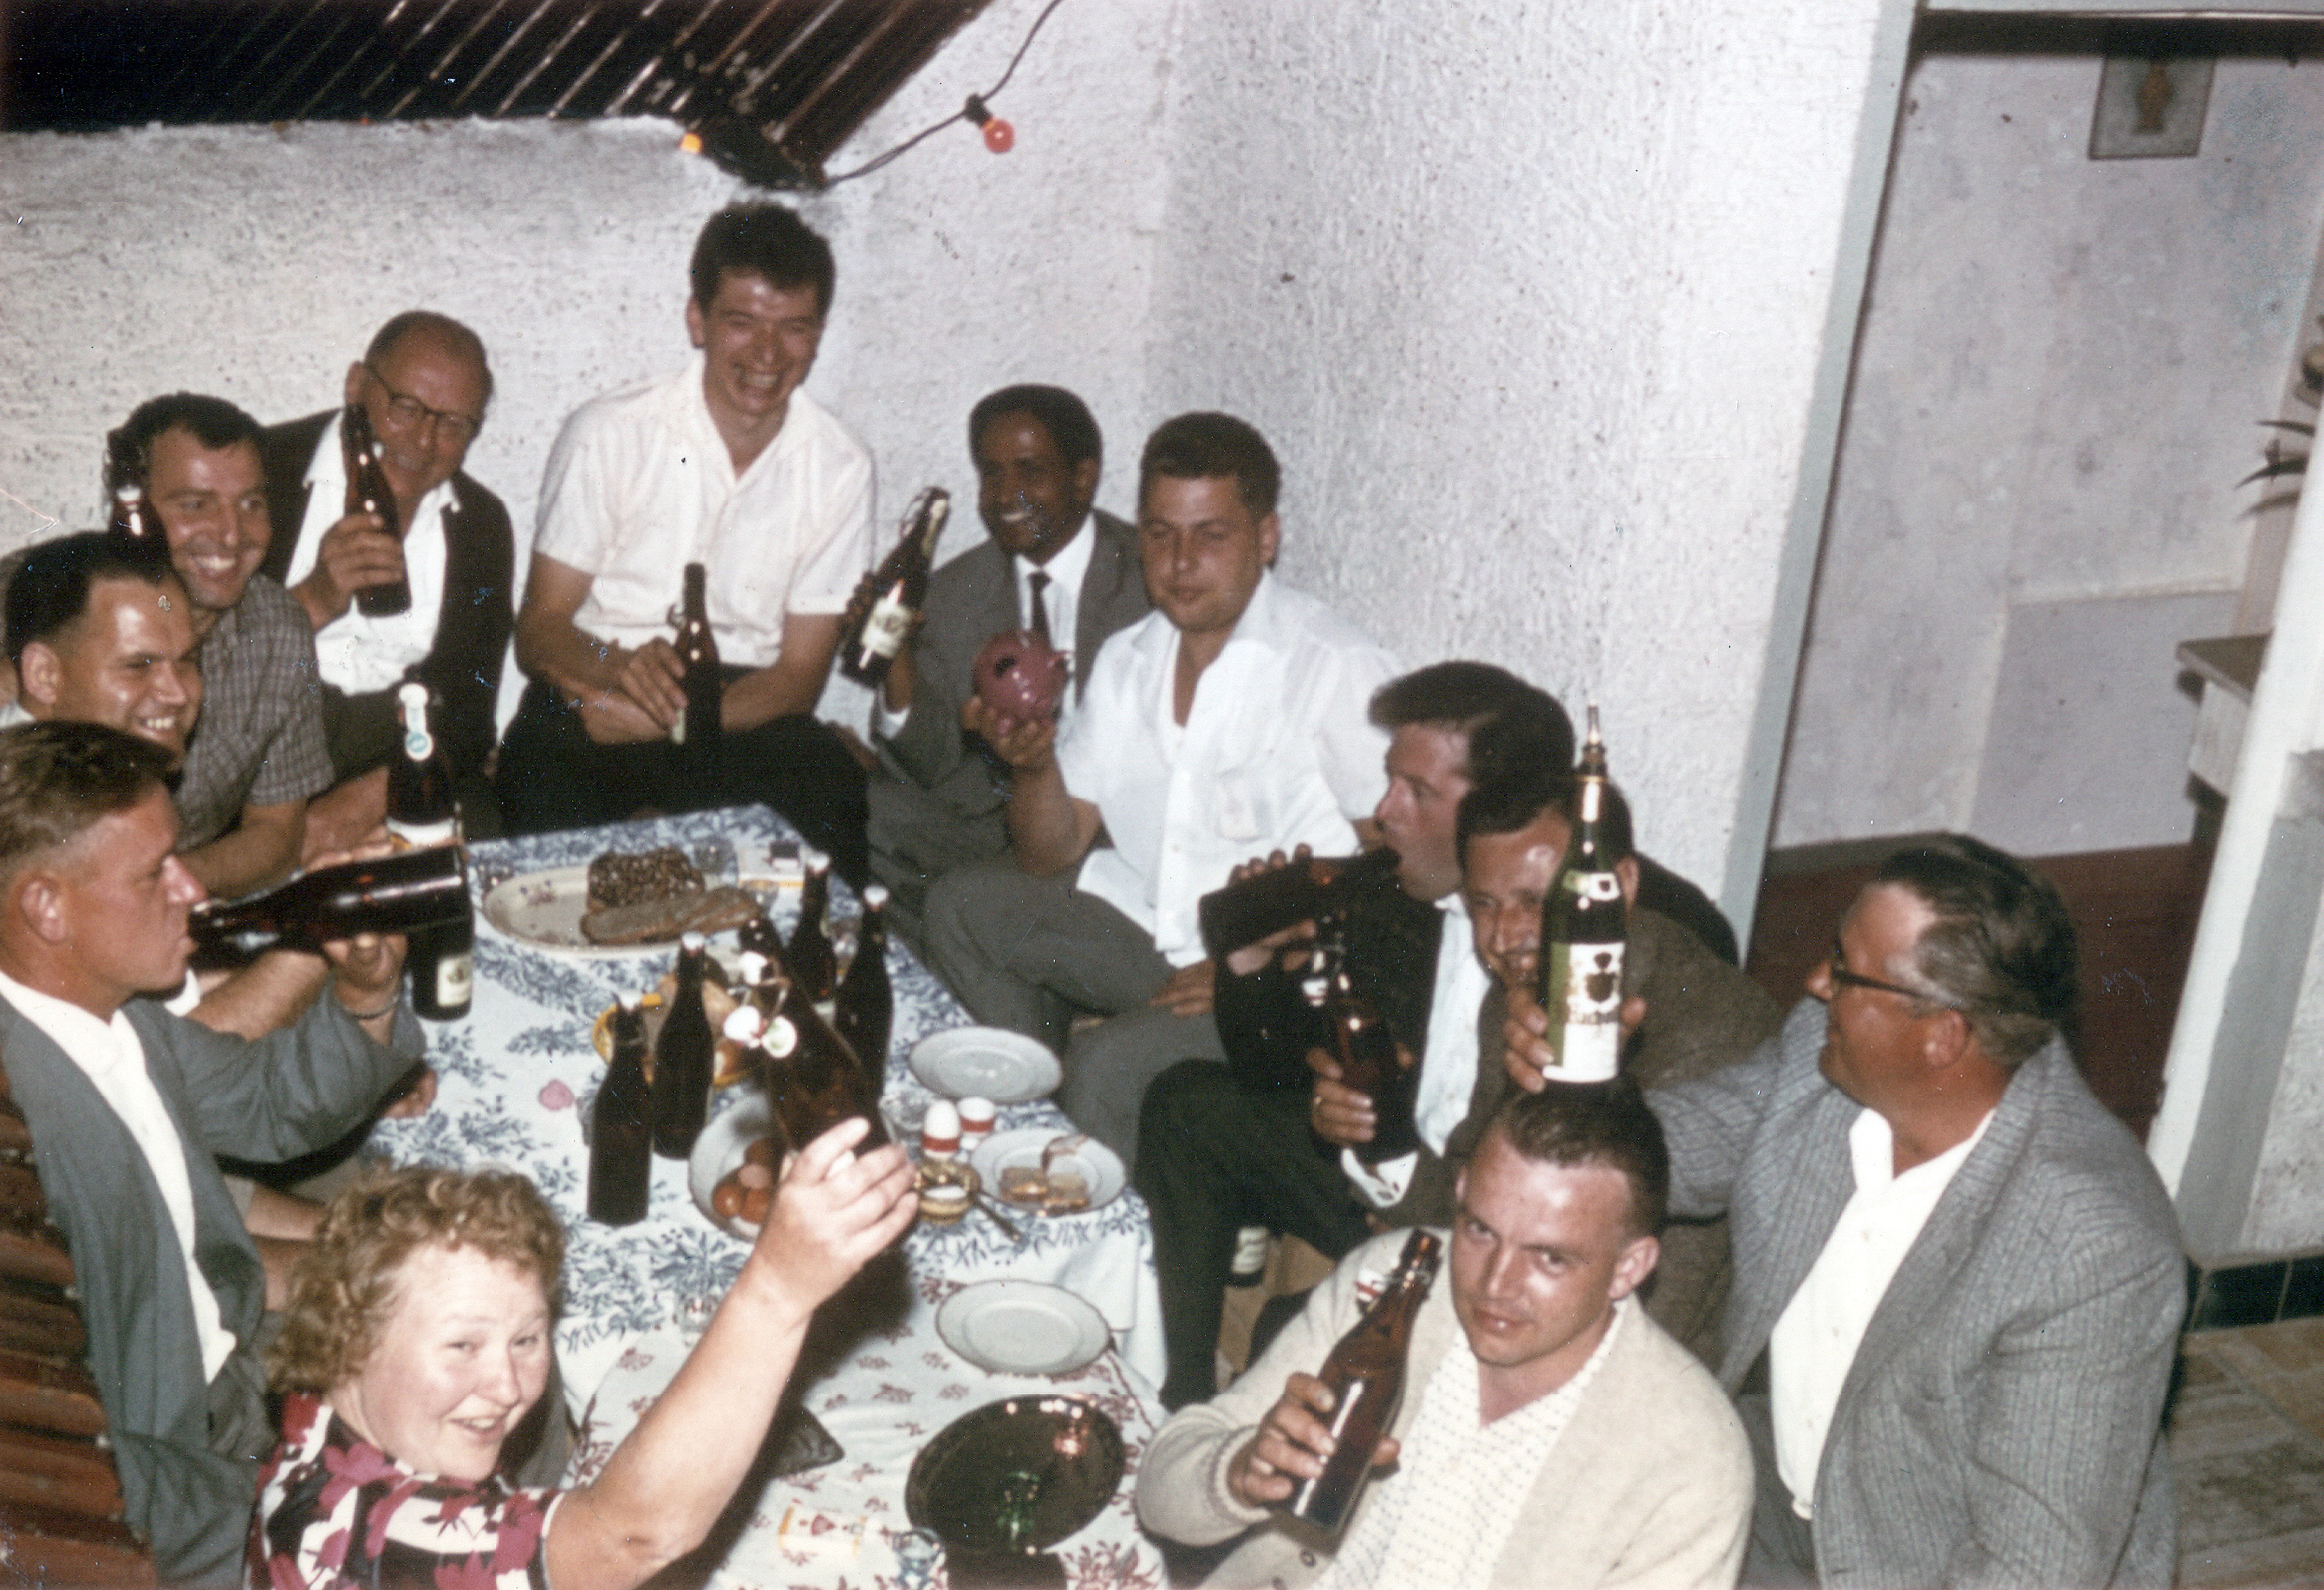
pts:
pixel 553 776
pixel 1213 1159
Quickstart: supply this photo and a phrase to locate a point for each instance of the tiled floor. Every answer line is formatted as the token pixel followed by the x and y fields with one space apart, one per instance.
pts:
pixel 2247 1443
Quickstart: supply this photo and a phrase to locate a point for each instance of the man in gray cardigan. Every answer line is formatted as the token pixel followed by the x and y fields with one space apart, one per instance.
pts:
pixel 126 1104
pixel 1963 1275
pixel 1614 1457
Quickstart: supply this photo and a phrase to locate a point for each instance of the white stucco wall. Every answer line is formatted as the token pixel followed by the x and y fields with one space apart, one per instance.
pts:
pixel 2062 370
pixel 1528 297
pixel 255 263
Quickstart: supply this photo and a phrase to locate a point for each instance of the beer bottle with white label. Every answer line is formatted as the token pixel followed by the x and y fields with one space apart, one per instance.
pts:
pixel 368 492
pixel 881 614
pixel 1584 928
pixel 421 811
pixel 1364 1373
pixel 698 730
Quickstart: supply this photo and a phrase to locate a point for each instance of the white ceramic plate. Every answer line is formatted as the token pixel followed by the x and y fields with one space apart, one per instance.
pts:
pixel 719 1149
pixel 1099 1166
pixel 544 909
pixel 1022 1327
pixel 1007 1068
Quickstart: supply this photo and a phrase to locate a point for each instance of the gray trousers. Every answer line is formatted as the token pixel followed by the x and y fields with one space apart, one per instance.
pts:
pixel 1030 954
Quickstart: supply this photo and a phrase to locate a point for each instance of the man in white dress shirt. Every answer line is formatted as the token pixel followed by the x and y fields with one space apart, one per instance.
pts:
pixel 1230 723
pixel 729 464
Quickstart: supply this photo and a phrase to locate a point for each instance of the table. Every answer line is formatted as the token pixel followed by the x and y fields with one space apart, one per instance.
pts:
pixel 515 1081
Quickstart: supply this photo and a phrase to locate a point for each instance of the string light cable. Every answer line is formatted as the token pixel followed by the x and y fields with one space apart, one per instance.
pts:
pixel 998 133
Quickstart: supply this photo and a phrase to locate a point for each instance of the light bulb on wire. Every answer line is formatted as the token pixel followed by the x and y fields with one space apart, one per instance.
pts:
pixel 999 136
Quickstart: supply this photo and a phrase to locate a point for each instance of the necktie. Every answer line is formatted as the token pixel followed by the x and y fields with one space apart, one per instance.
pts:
pixel 1040 582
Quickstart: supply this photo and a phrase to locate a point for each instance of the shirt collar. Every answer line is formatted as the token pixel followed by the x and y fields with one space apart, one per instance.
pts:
pixel 1872 1153
pixel 89 1038
pixel 1066 567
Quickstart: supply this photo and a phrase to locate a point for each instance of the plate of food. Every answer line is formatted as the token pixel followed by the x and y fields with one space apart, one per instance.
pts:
pixel 732 1171
pixel 734 1062
pixel 621 904
pixel 1022 1327
pixel 986 1062
pixel 1048 1172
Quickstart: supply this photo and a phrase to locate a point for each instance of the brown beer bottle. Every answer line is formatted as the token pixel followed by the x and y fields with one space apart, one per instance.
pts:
pixel 699 730
pixel 132 521
pixel 813 1079
pixel 133 518
pixel 1364 1048
pixel 813 965
pixel 621 1128
pixel 881 614
pixel 1364 1373
pixel 369 493
pixel 684 1058
pixel 1242 913
pixel 863 1012
pixel 378 894
pixel 1583 932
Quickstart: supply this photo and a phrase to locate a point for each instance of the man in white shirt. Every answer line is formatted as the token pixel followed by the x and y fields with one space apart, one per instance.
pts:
pixel 1549 1431
pixel 1228 723
pixel 424 386
pixel 127 1103
pixel 1963 1273
pixel 731 465
pixel 1055 564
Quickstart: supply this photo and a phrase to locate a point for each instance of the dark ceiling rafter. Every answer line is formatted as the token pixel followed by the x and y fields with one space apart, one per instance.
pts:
pixel 771 87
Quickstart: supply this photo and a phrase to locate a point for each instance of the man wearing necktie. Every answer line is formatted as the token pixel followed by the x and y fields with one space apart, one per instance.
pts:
pixel 1055 564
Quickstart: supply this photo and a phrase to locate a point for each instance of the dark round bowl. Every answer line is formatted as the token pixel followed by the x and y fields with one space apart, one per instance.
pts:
pixel 1015 1477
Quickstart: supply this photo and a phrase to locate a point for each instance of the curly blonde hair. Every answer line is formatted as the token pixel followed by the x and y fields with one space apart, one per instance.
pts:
pixel 348 1280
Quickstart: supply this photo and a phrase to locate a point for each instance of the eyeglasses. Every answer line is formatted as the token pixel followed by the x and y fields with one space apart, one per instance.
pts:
pixel 1836 967
pixel 410 413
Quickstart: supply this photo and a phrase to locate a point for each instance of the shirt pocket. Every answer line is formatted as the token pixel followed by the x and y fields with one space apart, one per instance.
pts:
pixel 1241 807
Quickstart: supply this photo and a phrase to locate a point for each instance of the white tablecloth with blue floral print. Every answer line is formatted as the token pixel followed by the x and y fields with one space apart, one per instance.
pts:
pixel 514 1083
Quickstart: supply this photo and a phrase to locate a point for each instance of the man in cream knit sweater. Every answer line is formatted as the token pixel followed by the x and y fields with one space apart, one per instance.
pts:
pixel 1550 1432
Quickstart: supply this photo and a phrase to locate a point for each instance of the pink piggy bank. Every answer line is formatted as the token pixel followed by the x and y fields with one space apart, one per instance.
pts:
pixel 1020 677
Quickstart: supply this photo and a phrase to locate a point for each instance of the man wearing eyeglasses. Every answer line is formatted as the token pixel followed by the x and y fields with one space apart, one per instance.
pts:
pixel 1961 1273
pixel 424 386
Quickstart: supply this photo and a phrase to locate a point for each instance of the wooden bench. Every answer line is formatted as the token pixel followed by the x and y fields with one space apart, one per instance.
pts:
pixel 61 1507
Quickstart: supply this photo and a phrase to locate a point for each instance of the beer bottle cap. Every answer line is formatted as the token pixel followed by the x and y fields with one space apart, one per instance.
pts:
pixel 875 895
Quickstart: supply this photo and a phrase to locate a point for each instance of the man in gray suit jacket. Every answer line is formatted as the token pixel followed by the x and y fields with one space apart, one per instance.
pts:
pixel 1963 1274
pixel 127 1103
pixel 937 801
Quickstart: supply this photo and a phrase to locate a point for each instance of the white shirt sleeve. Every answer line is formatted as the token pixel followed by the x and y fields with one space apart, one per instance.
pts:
pixel 837 553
